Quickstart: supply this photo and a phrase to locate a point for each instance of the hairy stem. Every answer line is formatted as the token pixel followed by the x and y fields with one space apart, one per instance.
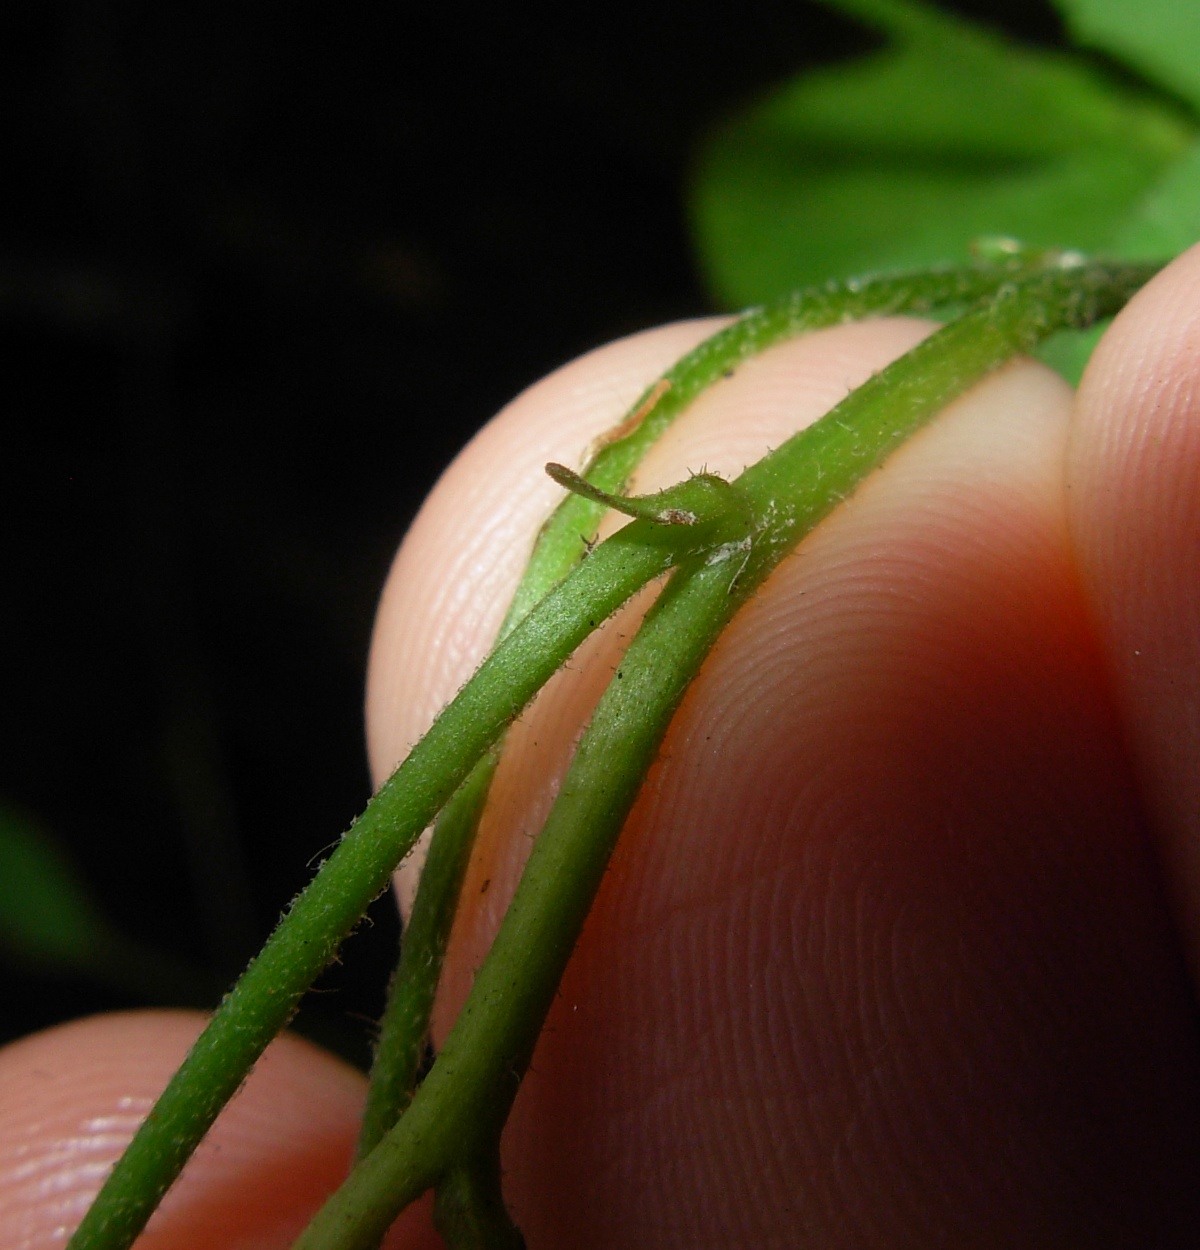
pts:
pixel 459 1110
pixel 404 1029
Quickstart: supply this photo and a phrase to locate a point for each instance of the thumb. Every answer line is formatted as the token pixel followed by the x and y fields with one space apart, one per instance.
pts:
pixel 881 958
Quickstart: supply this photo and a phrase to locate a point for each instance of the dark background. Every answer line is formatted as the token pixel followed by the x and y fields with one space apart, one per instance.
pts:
pixel 265 268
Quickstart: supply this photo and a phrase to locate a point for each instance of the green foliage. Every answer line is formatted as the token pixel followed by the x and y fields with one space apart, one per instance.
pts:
pixel 947 133
pixel 50 922
pixel 1158 38
pixel 1167 219
pixel 48 918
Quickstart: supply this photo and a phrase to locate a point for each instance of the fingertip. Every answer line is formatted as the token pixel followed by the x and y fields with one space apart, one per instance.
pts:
pixel 71 1098
pixel 893 786
pixel 880 950
pixel 1133 473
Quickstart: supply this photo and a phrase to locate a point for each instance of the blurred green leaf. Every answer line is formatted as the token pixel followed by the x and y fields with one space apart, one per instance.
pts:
pixel 1167 218
pixel 1164 222
pixel 1158 38
pixel 47 915
pixel 907 155
pixel 50 921
pixel 944 81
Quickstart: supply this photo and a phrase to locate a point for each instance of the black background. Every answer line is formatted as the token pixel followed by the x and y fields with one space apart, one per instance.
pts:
pixel 265 268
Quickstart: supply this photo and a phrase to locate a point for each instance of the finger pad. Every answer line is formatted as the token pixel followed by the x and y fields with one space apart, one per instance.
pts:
pixel 877 960
pixel 1134 473
pixel 71 1098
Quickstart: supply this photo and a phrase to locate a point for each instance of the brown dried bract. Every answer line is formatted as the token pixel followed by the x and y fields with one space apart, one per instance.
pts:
pixel 635 418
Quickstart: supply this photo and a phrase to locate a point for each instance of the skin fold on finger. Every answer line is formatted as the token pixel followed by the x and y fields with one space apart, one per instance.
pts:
pixel 71 1097
pixel 882 957
pixel 1134 478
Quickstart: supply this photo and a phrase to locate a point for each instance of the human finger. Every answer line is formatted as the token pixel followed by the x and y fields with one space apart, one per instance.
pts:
pixel 71 1098
pixel 1134 481
pixel 881 958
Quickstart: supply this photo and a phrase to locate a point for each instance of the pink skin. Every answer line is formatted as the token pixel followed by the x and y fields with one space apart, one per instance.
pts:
pixel 895 948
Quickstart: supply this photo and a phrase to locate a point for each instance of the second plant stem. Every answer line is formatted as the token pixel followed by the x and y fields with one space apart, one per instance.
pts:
pixel 404 1029
pixel 459 1110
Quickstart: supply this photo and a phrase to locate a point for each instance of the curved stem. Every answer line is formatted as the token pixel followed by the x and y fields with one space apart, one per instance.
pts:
pixel 459 1110
pixel 404 1028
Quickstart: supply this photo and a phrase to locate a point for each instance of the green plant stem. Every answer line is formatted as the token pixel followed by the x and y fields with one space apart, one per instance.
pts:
pixel 404 1028
pixel 469 1208
pixel 459 1110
